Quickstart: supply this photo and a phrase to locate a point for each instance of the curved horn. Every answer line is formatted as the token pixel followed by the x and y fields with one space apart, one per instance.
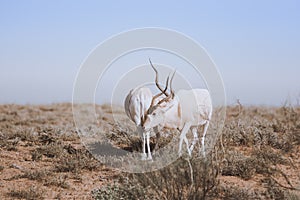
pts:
pixel 171 81
pixel 159 94
pixel 164 91
pixel 167 83
pixel 172 95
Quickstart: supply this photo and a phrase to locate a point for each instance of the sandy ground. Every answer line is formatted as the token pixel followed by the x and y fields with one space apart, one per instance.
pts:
pixel 41 155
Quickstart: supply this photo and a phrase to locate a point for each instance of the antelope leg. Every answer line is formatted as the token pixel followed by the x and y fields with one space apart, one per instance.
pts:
pixel 148 145
pixel 183 136
pixel 157 133
pixel 203 138
pixel 195 134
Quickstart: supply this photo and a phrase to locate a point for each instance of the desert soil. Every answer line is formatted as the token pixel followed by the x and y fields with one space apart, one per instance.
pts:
pixel 42 157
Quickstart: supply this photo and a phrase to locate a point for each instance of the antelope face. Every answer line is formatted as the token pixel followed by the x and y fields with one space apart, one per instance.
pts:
pixel 156 115
pixel 153 119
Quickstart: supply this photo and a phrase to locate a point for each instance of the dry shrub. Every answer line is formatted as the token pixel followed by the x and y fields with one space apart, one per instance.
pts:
pixel 77 161
pixel 53 150
pixel 38 175
pixel 270 135
pixel 261 161
pixel 124 137
pixel 68 158
pixel 290 195
pixel 9 139
pixel 236 164
pixel 275 127
pixel 232 192
pixel 60 181
pixel 31 193
pixel 274 191
pixel 186 178
pixel 117 190
pixel 46 177
pixel 266 158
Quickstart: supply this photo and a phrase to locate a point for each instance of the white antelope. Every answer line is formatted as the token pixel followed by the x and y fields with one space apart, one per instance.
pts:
pixel 137 103
pixel 184 110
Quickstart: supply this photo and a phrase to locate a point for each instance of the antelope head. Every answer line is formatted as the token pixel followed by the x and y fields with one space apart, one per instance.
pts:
pixel 157 110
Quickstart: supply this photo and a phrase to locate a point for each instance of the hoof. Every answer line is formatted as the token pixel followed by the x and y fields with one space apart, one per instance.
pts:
pixel 149 156
pixel 179 154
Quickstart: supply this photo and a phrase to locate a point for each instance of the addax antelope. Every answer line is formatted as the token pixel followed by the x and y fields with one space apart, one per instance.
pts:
pixel 184 110
pixel 137 103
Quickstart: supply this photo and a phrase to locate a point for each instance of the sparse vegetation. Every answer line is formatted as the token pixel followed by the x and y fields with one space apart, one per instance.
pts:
pixel 76 163
pixel 256 147
pixel 184 179
pixel 31 193
pixel 257 157
pixel 121 190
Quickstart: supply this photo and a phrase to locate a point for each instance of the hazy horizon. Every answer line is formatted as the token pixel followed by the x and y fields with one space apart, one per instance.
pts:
pixel 255 45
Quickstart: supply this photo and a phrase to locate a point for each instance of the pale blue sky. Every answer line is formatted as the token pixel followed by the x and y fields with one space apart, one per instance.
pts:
pixel 255 44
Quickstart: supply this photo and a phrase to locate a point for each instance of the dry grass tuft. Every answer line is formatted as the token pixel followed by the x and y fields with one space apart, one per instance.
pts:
pixel 31 193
